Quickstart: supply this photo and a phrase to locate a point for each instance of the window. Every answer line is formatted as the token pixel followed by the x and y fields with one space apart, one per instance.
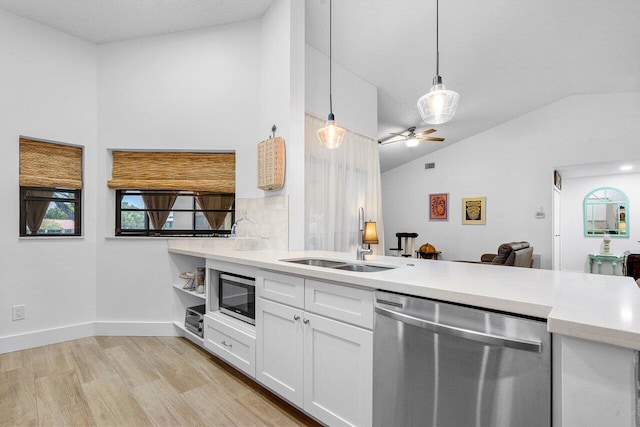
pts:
pixel 173 193
pixel 173 213
pixel 50 189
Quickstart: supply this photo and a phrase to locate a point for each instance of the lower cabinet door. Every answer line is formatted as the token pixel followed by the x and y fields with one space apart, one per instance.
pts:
pixel 279 357
pixel 338 372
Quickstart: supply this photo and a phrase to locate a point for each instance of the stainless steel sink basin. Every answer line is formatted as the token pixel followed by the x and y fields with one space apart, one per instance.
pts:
pixel 340 265
pixel 316 262
pixel 363 268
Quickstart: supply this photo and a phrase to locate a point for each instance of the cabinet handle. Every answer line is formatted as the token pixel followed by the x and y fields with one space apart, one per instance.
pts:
pixel 305 321
pixel 296 317
pixel 226 345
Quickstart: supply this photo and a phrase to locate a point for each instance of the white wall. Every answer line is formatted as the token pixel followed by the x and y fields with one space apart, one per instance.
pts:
pixel 282 101
pixel 355 100
pixel 575 246
pixel 47 82
pixel 212 89
pixel 512 165
pixel 186 91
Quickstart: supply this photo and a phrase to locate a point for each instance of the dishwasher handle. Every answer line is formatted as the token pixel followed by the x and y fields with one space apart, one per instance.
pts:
pixel 482 337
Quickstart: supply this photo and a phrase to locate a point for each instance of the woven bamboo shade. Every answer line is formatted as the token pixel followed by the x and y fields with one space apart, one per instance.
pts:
pixel 214 172
pixel 45 164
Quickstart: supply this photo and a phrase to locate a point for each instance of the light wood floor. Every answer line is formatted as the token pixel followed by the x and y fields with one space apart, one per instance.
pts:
pixel 133 381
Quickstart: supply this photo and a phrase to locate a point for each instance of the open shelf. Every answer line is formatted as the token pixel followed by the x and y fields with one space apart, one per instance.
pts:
pixel 194 293
pixel 188 334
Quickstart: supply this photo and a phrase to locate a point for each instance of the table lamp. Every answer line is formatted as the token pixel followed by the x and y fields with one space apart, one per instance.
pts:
pixel 370 234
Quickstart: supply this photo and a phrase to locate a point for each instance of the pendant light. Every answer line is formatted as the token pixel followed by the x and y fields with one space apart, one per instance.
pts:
pixel 439 104
pixel 331 135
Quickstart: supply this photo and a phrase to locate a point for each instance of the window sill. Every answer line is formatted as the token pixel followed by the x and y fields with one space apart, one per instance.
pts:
pixel 164 238
pixel 26 238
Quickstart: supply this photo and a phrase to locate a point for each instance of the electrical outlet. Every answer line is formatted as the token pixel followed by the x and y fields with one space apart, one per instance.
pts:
pixel 18 312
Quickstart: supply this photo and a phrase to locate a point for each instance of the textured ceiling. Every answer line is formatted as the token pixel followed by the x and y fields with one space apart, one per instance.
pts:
pixel 104 21
pixel 504 57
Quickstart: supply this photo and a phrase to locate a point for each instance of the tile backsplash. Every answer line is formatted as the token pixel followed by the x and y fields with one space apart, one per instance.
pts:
pixel 270 217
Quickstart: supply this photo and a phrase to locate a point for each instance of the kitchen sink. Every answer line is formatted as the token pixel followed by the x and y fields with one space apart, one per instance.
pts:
pixel 363 268
pixel 316 262
pixel 340 265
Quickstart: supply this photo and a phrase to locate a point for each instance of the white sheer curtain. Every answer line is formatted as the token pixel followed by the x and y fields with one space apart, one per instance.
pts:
pixel 337 183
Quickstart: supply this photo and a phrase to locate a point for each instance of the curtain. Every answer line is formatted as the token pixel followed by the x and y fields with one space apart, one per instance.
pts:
pixel 215 202
pixel 37 209
pixel 158 201
pixel 337 183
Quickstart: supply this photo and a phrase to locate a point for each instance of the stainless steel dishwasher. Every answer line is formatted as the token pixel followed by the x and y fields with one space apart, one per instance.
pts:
pixel 440 364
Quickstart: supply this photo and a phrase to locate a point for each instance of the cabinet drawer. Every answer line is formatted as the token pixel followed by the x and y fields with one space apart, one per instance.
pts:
pixel 339 302
pixel 231 344
pixel 280 288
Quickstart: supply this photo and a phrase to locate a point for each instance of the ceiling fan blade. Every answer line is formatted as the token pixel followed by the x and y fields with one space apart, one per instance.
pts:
pixel 390 142
pixel 432 138
pixel 427 132
pixel 398 134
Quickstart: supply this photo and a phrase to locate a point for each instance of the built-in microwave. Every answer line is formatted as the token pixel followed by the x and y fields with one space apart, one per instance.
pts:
pixel 237 297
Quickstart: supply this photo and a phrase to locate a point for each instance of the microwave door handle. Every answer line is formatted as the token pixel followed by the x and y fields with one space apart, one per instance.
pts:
pixel 481 337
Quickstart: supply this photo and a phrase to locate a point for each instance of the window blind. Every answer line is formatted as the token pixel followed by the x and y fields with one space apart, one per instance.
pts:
pixel 211 172
pixel 46 164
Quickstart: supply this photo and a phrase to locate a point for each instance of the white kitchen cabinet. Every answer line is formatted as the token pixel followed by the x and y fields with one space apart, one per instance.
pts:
pixel 281 288
pixel 320 364
pixel 231 340
pixel 279 361
pixel 338 372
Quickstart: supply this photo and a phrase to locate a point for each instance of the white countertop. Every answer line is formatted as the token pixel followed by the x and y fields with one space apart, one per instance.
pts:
pixel 590 306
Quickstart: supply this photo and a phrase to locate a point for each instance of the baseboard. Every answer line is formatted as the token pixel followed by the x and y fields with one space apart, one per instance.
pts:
pixel 45 337
pixel 27 340
pixel 135 329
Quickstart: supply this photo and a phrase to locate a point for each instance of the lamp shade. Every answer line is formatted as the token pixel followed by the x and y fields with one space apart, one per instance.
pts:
pixel 370 234
pixel 438 105
pixel 331 135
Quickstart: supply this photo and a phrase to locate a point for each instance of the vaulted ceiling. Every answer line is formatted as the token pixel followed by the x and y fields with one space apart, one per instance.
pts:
pixel 504 57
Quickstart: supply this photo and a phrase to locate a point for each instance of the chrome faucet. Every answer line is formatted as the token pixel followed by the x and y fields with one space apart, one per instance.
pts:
pixel 360 251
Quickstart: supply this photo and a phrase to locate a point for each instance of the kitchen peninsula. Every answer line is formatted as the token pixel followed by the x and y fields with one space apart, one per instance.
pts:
pixel 592 318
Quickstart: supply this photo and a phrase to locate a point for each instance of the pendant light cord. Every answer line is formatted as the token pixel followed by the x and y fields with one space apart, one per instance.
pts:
pixel 330 65
pixel 437 39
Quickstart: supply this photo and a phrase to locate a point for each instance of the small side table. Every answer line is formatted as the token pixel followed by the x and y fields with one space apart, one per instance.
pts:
pixel 614 259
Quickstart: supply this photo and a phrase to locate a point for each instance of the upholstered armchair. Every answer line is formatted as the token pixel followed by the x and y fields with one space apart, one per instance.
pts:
pixel 515 254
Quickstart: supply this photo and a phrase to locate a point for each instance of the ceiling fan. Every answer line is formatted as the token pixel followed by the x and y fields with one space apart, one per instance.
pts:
pixel 412 138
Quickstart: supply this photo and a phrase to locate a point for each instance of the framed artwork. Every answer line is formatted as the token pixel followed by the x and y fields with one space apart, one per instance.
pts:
pixel 474 210
pixel 439 207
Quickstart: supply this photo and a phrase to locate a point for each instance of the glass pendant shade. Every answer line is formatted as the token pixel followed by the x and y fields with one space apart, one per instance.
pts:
pixel 412 142
pixel 331 135
pixel 438 105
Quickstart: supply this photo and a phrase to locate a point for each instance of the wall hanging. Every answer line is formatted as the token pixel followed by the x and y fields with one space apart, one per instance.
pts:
pixel 439 207
pixel 474 210
pixel 271 163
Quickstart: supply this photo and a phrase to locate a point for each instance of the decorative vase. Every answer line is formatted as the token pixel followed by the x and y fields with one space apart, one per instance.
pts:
pixel 606 241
